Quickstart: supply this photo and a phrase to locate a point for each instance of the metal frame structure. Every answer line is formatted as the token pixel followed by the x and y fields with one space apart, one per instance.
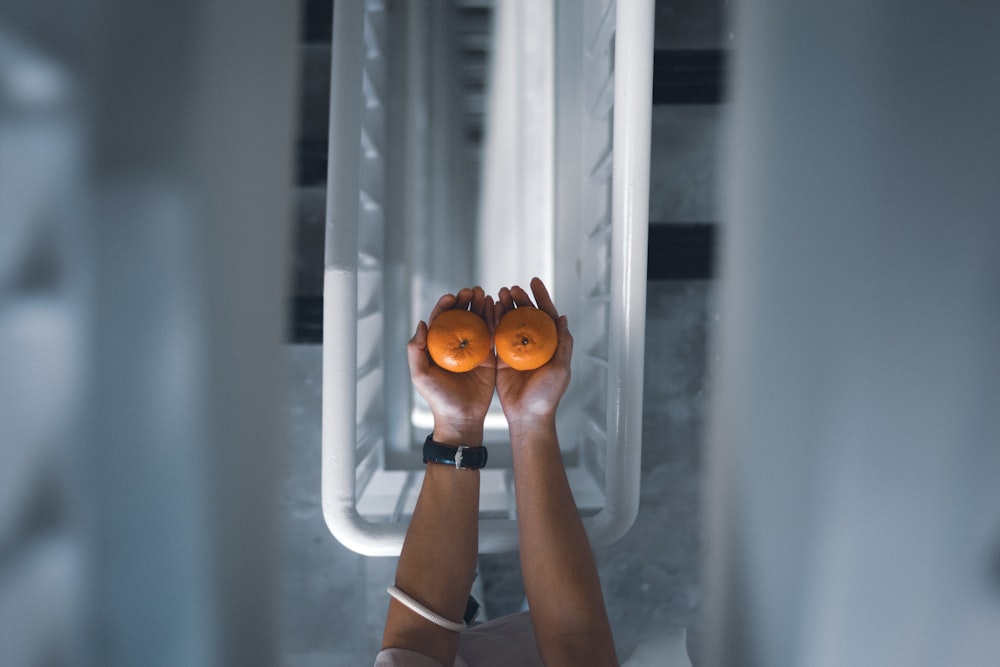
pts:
pixel 601 110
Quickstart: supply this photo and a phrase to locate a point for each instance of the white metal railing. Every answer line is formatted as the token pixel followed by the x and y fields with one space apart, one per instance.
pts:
pixel 353 370
pixel 599 173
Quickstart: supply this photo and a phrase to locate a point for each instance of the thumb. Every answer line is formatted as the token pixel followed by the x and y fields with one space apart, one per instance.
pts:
pixel 565 349
pixel 416 349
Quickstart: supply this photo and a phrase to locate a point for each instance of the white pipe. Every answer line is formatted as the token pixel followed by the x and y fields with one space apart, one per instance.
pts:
pixel 629 240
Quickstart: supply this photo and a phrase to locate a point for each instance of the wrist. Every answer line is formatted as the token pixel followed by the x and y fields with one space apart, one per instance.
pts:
pixel 455 432
pixel 520 427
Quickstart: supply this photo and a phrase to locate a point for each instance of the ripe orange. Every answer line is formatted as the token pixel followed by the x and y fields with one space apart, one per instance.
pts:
pixel 458 340
pixel 526 338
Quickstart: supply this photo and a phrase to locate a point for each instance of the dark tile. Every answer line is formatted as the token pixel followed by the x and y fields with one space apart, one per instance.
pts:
pixel 684 164
pixel 502 584
pixel 692 24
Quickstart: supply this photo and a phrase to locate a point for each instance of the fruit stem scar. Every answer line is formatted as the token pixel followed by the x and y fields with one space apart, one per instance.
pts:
pixel 524 340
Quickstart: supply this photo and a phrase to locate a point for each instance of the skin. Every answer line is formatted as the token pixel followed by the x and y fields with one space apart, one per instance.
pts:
pixel 438 561
pixel 560 576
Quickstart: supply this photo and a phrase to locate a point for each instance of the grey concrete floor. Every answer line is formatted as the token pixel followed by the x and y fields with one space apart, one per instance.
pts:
pixel 333 601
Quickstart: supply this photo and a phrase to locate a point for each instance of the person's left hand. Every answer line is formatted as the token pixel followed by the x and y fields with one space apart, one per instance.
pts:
pixel 533 396
pixel 459 401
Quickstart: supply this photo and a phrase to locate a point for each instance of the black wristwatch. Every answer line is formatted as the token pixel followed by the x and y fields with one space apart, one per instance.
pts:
pixel 462 457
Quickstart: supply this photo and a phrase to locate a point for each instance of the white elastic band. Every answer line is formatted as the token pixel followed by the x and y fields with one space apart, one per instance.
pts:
pixel 418 608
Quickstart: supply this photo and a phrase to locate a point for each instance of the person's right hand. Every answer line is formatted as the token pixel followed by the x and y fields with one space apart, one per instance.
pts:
pixel 533 396
pixel 459 401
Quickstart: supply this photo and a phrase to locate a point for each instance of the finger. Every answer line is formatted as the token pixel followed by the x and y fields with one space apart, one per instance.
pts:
pixel 463 298
pixel 498 311
pixel 506 301
pixel 521 298
pixel 543 299
pixel 444 303
pixel 419 336
pixel 489 314
pixel 416 350
pixel 478 305
pixel 565 349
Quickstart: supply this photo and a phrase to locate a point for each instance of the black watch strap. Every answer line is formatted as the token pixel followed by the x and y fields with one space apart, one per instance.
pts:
pixel 462 457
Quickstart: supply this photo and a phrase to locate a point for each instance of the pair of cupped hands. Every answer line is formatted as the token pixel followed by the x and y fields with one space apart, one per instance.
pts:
pixel 461 400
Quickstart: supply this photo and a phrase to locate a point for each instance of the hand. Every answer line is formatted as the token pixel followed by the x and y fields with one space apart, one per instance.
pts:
pixel 459 401
pixel 528 396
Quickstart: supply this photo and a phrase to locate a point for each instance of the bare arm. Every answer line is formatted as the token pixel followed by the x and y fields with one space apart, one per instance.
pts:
pixel 438 561
pixel 560 576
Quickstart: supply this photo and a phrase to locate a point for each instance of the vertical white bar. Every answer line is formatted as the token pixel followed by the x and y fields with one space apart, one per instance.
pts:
pixel 629 240
pixel 340 294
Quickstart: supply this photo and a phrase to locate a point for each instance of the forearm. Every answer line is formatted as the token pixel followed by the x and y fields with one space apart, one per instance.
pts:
pixel 560 576
pixel 438 561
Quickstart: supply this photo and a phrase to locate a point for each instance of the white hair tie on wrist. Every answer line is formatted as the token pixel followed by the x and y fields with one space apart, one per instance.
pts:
pixel 420 609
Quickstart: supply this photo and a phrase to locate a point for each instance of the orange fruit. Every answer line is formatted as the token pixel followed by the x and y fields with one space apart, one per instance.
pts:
pixel 526 338
pixel 458 340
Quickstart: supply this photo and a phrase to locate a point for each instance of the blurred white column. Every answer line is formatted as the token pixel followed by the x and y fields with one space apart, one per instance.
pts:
pixel 43 341
pixel 142 307
pixel 854 454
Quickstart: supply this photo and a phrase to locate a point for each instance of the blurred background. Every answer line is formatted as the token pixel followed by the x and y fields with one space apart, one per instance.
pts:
pixel 822 375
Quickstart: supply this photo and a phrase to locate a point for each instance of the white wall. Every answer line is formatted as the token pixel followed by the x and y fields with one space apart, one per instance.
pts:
pixel 854 454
